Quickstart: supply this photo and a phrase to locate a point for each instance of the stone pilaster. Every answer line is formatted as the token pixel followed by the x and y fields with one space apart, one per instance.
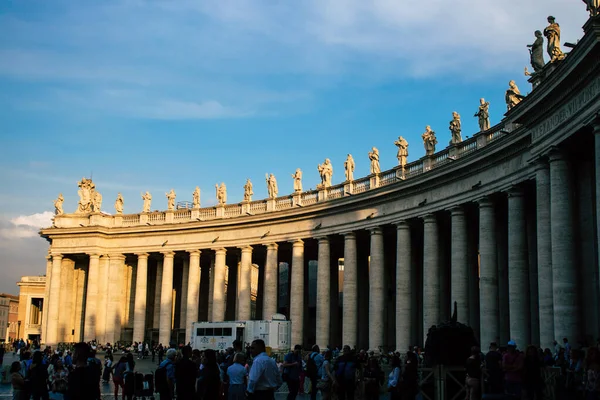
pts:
pixel 270 282
pixel 218 303
pixel 459 275
pixel 184 293
pixel 323 293
pixel 350 302
pixel 46 299
pixel 376 291
pixel 518 269
pixel 564 274
pixel 91 302
pixel 245 299
pixel 54 303
pixel 166 300
pixel 488 275
pixel 157 294
pixel 66 301
pixel 193 293
pixel 114 306
pixel 141 287
pixel 297 293
pixel 404 305
pixel 431 273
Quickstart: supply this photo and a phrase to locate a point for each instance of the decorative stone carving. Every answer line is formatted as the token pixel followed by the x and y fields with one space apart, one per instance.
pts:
pixel 147 197
pixel 58 205
pixel 221 193
pixel 429 141
pixel 297 180
pixel 374 157
pixel 196 198
pixel 326 172
pixel 402 155
pixel 455 129
pixel 170 200
pixel 86 193
pixel 119 204
pixel 248 191
pixel 272 186
pixel 513 95
pixel 593 7
pixel 97 202
pixel 484 115
pixel 552 33
pixel 349 166
pixel 536 52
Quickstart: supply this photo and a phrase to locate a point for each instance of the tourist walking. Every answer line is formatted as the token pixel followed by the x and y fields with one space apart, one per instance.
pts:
pixel 394 378
pixel 473 378
pixel 119 376
pixel 327 377
pixel 17 381
pixel 209 385
pixel 38 377
pixel 512 364
pixel 237 375
pixel 264 378
pixel 165 376
pixel 84 380
pixel 372 376
pixel 185 375
pixel 314 361
pixel 345 374
pixel 107 372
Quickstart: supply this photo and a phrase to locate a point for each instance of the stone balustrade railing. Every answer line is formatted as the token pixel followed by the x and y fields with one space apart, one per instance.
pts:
pixel 301 199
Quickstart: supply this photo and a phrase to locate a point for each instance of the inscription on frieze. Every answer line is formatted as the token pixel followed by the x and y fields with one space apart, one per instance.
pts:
pixel 565 112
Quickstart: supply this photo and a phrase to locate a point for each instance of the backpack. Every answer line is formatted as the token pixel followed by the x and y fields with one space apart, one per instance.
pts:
pixel 311 366
pixel 346 370
pixel 160 379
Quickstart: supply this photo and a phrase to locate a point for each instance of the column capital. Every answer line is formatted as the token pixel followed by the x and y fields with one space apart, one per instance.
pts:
pixel 49 257
pixel 220 250
pixel 514 191
pixel 116 256
pixel 540 162
pixel 297 243
pixel 596 124
pixel 349 235
pixel 400 225
pixel 457 210
pixel 272 246
pixel 555 154
pixel 194 252
pixel 376 231
pixel 142 255
pixel 322 239
pixel 429 219
pixel 485 202
pixel 94 255
pixel 56 256
pixel 246 249
pixel 168 254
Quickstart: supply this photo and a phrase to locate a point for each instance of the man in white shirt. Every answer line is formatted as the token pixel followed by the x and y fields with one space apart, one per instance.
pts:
pixel 264 378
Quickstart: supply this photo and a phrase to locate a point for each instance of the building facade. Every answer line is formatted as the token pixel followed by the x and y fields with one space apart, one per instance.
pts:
pixel 9 305
pixel 505 223
pixel 32 290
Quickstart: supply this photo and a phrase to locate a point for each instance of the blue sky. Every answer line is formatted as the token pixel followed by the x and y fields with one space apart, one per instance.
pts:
pixel 160 94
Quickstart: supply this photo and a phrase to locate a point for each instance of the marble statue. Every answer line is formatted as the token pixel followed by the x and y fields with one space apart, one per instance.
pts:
pixel 297 180
pixel 119 204
pixel 196 198
pixel 552 33
pixel 402 155
pixel 272 186
pixel 374 157
pixel 170 200
pixel 86 194
pixel 455 128
pixel 58 205
pixel 326 172
pixel 147 197
pixel 484 115
pixel 349 168
pixel 221 193
pixel 513 95
pixel 593 7
pixel 97 202
pixel 248 191
pixel 536 52
pixel 429 141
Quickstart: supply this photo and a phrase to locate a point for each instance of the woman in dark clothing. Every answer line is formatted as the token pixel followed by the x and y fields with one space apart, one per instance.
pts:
pixel 209 384
pixel 473 379
pixel 128 375
pixel 38 377
pixel 532 378
pixel 410 376
pixel 372 375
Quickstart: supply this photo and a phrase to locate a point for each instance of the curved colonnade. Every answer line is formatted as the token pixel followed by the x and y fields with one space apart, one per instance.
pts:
pixel 506 224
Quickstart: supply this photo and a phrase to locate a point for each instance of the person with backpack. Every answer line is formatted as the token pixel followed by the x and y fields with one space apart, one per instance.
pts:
pixel 164 377
pixel 314 363
pixel 292 366
pixel 345 374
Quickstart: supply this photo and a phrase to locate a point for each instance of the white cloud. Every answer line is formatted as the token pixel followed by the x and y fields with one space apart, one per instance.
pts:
pixel 25 226
pixel 38 220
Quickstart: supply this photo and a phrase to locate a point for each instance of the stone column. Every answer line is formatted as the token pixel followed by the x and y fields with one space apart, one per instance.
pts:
pixel 211 286
pixel 184 293
pixel 323 293
pixel 404 284
pixel 518 271
pixel 488 274
pixel 218 304
pixel 103 278
pixel 597 210
pixel 141 287
pixel 376 291
pixel 245 277
pixel 431 274
pixel 270 282
pixel 157 293
pixel 564 273
pixel 54 303
pixel 91 302
pixel 297 293
pixel 114 302
pixel 46 303
pixel 459 278
pixel 193 293
pixel 350 296
pixel 166 300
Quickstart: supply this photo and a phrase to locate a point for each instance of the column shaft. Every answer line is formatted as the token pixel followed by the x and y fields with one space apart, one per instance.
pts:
pixel 91 302
pixel 193 294
pixel 184 294
pixel 166 300
pixel 404 285
pixel 141 286
pixel 431 274
pixel 218 304
pixel 459 278
pixel 157 294
pixel 103 277
pixel 596 283
pixel 245 299
pixel 270 282
pixel 114 306
pixel 350 295
pixel 488 274
pixel 211 286
pixel 54 304
pixel 297 293
pixel 46 303
pixel 323 293
pixel 376 291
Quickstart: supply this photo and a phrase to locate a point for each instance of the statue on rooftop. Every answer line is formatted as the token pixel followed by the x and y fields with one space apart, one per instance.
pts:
pixel 552 33
pixel 297 180
pixel 374 157
pixel 58 205
pixel 248 191
pixel 170 200
pixel 536 52
pixel 221 193
pixel 147 197
pixel 402 145
pixel 196 198
pixel 593 6
pixel 429 141
pixel 349 166
pixel 513 95
pixel 484 115
pixel 272 186
pixel 86 193
pixel 119 204
pixel 455 129
pixel 326 172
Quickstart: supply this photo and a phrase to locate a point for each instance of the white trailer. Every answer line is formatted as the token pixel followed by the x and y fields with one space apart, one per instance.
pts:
pixel 220 335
